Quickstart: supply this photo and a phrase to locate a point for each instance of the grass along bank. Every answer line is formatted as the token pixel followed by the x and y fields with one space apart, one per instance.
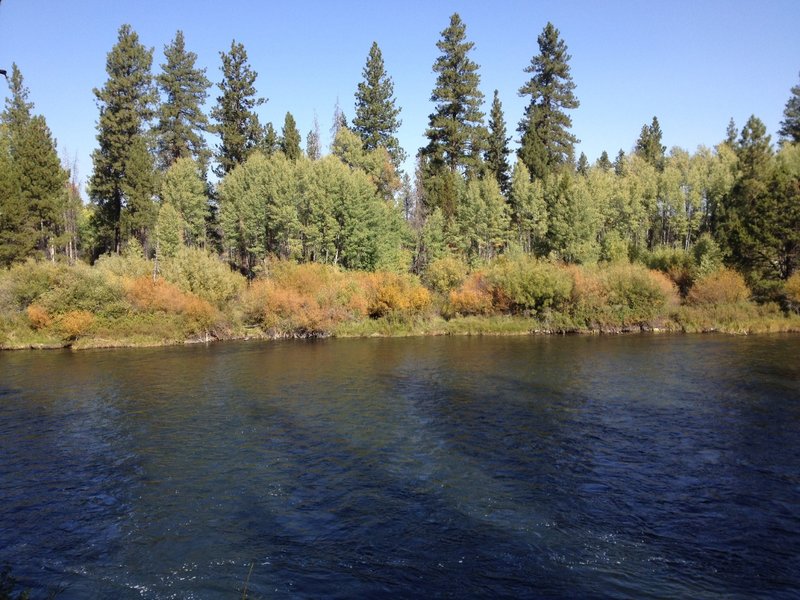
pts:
pixel 195 297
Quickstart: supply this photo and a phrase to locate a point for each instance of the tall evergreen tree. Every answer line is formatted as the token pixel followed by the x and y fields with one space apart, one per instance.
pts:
pixel 649 147
pixel 731 133
pixel 313 142
pixel 376 120
pixel 17 113
pixel 181 120
pixel 126 107
pixel 582 167
pixel 290 138
pixel 790 126
pixel 497 150
pixel 603 162
pixel 619 163
pixel 42 182
pixel 237 123
pixel 456 132
pixel 545 140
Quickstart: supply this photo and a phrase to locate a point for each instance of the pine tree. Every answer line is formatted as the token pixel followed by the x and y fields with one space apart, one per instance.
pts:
pixel 17 113
pixel 545 140
pixel 603 162
pixel 456 132
pixel 731 133
pixel 42 182
pixel 790 126
pixel 649 147
pixel 376 120
pixel 290 138
pixel 313 142
pixel 268 142
pixel 583 165
pixel 181 120
pixel 125 104
pixel 497 150
pixel 237 123
pixel 619 163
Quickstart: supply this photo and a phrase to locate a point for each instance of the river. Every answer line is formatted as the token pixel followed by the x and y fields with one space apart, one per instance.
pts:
pixel 630 466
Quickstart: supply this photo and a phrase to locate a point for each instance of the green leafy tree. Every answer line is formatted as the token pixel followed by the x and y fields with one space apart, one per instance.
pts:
pixel 497 150
pixel 649 147
pixel 481 226
pixel 290 138
pixel 181 121
pixel 236 122
pixel 455 132
pixel 573 219
pixel 528 209
pixel 182 186
pixel 169 231
pixel 376 120
pixel 126 107
pixel 790 126
pixel 545 140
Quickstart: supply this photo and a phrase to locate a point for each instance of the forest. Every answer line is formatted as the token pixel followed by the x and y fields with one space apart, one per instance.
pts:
pixel 203 225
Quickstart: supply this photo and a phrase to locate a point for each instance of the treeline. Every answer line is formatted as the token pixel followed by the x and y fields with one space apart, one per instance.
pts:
pixel 737 203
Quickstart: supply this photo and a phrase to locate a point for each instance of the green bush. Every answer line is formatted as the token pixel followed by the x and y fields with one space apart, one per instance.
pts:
pixel 526 285
pixel 637 295
pixel 196 271
pixel 445 274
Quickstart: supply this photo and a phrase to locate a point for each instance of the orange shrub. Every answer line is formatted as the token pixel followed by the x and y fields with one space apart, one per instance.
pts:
pixel 394 294
pixel 473 297
pixel 161 296
pixel 38 316
pixel 75 323
pixel 720 287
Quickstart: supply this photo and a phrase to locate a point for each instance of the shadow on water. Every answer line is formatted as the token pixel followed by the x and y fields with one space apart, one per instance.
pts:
pixel 629 467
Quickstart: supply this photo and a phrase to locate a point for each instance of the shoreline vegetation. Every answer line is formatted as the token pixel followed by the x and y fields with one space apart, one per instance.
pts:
pixel 286 242
pixel 195 297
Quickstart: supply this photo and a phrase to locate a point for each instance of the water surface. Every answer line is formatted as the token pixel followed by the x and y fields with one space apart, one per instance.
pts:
pixel 635 466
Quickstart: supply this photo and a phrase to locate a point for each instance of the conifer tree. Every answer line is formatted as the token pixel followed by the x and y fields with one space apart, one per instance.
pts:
pixel 790 126
pixel 313 142
pixel 619 163
pixel 236 122
pixel 17 113
pixel 376 120
pixel 181 120
pixel 126 107
pixel 731 133
pixel 603 162
pixel 497 150
pixel 268 143
pixel 290 138
pixel 649 147
pixel 456 132
pixel 583 165
pixel 545 140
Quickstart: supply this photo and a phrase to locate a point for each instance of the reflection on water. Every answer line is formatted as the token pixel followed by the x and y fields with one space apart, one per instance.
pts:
pixel 626 466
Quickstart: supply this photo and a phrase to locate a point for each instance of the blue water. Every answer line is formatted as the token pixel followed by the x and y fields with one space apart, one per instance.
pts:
pixel 632 467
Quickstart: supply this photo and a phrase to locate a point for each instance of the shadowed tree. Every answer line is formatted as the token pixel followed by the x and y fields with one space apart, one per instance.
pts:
pixel 181 121
pixel 790 126
pixel 497 150
pixel 545 140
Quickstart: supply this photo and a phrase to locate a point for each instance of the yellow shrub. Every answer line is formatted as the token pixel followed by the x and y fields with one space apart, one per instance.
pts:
pixel 473 297
pixel 160 296
pixel 393 294
pixel 75 323
pixel 38 316
pixel 720 287
pixel 792 289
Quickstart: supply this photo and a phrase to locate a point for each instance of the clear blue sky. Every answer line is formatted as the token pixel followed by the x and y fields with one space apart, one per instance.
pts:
pixel 693 64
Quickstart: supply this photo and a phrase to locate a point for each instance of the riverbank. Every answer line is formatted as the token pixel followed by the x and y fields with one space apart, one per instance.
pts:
pixel 195 298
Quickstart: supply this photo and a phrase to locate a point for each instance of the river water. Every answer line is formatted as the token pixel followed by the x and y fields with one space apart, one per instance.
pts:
pixel 632 466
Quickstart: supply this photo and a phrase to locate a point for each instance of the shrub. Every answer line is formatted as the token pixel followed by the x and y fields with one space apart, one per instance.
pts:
pixel 473 297
pixel 720 287
pixel 445 274
pixel 524 284
pixel 637 294
pixel 131 263
pixel 792 290
pixel 677 264
pixel 304 300
pixel 197 272
pixel 394 294
pixel 75 323
pixel 161 296
pixel 38 316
